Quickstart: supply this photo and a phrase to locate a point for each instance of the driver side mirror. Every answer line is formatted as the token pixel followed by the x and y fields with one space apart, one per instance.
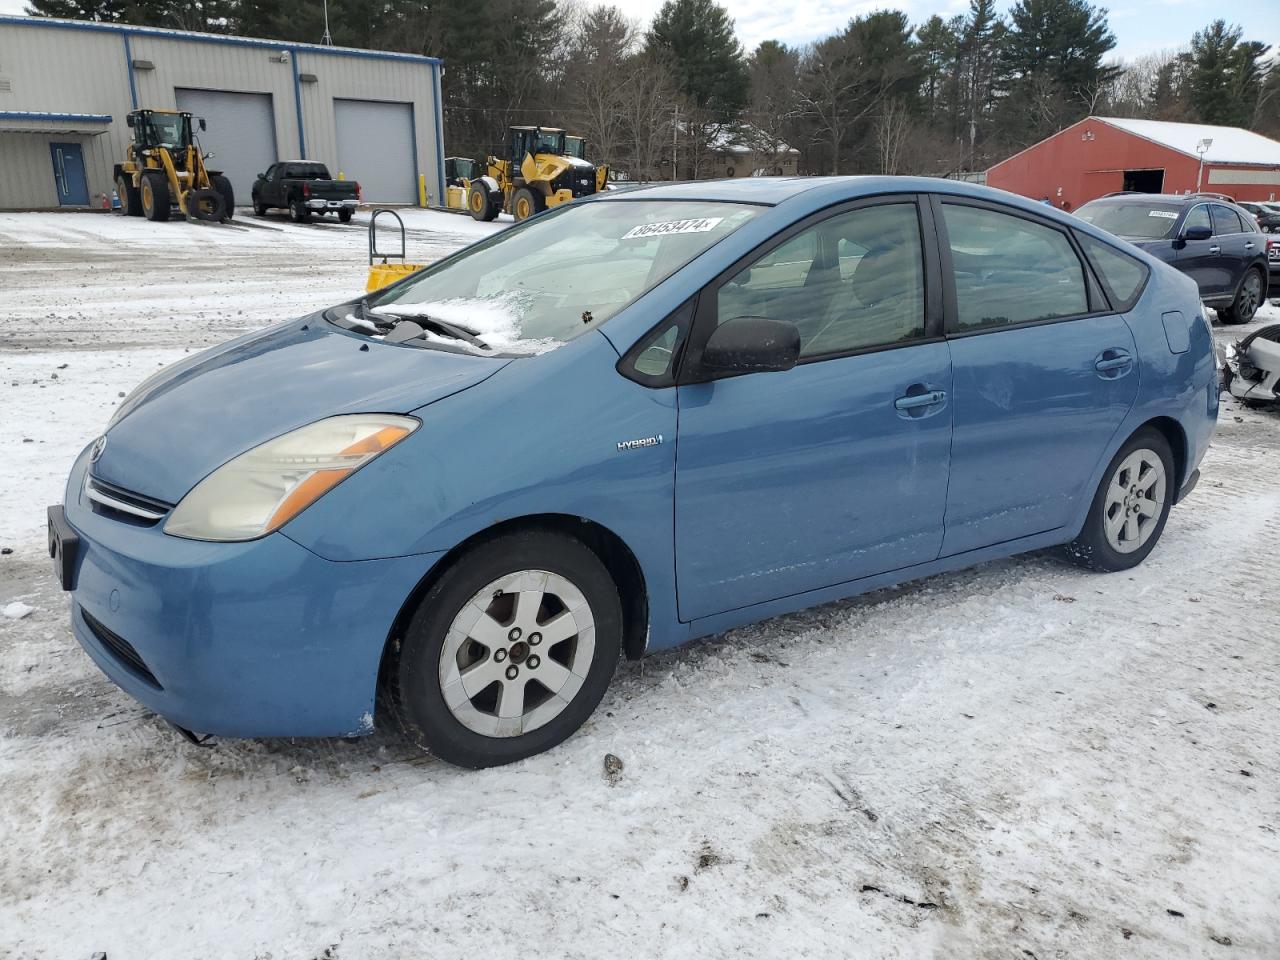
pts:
pixel 129 120
pixel 752 345
pixel 1197 232
pixel 202 125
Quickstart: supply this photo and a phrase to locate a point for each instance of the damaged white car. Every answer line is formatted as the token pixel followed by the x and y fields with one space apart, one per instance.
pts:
pixel 1252 369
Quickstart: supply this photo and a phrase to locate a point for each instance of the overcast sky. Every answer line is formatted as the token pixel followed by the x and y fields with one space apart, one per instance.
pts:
pixel 1140 26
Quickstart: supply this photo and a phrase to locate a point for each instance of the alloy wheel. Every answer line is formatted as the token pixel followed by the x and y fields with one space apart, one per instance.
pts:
pixel 1250 296
pixel 517 653
pixel 1135 501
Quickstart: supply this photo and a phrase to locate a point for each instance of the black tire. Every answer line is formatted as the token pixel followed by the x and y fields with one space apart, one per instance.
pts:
pixel 154 196
pixel 1247 300
pixel 480 202
pixel 259 208
pixel 527 203
pixel 298 213
pixel 205 205
pixel 1092 549
pixel 130 197
pixel 416 700
pixel 227 192
pixel 344 215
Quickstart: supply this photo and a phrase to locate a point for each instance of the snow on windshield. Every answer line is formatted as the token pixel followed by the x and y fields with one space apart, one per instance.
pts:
pixel 496 320
pixel 564 272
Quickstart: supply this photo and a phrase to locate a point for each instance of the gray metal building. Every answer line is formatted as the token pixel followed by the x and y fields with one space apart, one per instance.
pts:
pixel 66 86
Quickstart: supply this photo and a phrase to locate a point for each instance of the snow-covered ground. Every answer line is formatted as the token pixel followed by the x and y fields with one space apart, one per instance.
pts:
pixel 1021 760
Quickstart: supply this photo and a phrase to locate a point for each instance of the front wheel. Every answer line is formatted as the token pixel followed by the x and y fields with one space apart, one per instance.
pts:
pixel 526 203
pixel 509 652
pixel 1248 299
pixel 154 194
pixel 1130 508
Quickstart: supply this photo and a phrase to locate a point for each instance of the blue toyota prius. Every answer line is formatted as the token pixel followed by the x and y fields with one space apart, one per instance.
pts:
pixel 628 422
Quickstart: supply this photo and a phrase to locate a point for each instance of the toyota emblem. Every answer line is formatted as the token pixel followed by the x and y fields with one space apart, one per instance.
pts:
pixel 98 446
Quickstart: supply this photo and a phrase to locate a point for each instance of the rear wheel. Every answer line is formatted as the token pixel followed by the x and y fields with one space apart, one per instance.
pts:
pixel 298 213
pixel 154 194
pixel 509 652
pixel 227 192
pixel 344 215
pixel 130 197
pixel 1130 508
pixel 526 203
pixel 480 202
pixel 1248 299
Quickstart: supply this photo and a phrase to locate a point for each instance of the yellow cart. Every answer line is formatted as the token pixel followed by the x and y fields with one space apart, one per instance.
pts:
pixel 386 273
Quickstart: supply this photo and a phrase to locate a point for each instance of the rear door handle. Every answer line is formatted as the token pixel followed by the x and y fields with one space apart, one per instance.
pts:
pixel 1112 360
pixel 1215 249
pixel 1248 245
pixel 916 401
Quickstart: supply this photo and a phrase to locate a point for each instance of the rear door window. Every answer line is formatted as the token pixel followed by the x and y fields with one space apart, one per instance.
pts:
pixel 1011 270
pixel 1225 221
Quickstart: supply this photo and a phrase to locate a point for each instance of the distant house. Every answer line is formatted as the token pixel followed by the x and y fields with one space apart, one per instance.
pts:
pixel 745 151
pixel 1101 155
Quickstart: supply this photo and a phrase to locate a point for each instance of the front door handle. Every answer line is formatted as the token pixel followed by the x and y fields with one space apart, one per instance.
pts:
pixel 918 400
pixel 1215 249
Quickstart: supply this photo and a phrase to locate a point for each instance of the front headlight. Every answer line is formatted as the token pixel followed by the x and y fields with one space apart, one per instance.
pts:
pixel 271 484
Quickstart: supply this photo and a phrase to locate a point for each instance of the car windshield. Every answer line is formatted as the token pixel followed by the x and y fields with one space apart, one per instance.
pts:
pixel 1131 219
pixel 544 282
pixel 166 129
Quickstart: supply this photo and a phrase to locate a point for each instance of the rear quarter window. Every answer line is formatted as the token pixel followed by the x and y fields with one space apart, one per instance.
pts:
pixel 1122 276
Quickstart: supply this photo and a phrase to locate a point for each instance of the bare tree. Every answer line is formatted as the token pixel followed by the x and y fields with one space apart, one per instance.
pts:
pixel 892 129
pixel 649 102
pixel 845 78
pixel 595 81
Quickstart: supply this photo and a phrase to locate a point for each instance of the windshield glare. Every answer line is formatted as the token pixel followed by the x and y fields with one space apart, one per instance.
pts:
pixel 1145 221
pixel 553 277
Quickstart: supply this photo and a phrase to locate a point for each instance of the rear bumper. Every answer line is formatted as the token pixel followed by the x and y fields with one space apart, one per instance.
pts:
pixel 257 639
pixel 331 204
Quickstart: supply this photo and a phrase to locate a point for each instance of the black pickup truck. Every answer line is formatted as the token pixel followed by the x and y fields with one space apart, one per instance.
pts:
pixel 303 187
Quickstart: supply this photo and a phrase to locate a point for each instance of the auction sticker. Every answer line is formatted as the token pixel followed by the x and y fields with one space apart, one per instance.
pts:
pixel 667 227
pixel 1167 214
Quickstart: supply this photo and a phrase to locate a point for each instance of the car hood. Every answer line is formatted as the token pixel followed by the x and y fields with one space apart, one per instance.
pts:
pixel 197 414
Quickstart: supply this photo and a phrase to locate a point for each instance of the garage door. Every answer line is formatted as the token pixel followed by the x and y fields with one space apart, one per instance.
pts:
pixel 241 133
pixel 375 147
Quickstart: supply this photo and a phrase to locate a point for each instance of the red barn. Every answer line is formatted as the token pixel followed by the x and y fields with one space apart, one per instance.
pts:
pixel 1101 155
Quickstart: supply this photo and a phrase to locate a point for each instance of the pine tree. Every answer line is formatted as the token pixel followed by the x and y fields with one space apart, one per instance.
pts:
pixel 1226 75
pixel 697 38
pixel 105 11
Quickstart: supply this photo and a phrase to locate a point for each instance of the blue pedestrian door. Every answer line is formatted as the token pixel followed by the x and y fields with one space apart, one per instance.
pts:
pixel 68 174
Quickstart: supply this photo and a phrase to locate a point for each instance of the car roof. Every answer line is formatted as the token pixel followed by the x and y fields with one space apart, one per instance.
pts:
pixel 771 191
pixel 1179 199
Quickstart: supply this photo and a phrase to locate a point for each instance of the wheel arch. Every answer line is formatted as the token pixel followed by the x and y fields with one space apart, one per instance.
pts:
pixel 617 557
pixel 1173 432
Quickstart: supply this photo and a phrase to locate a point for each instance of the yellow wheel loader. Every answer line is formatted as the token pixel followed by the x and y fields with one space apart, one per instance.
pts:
pixel 538 173
pixel 164 167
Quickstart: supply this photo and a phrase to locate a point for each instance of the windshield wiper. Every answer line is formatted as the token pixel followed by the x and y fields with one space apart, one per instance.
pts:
pixel 423 321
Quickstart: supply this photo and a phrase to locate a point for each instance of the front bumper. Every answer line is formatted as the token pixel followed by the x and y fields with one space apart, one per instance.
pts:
pixel 257 639
pixel 331 204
